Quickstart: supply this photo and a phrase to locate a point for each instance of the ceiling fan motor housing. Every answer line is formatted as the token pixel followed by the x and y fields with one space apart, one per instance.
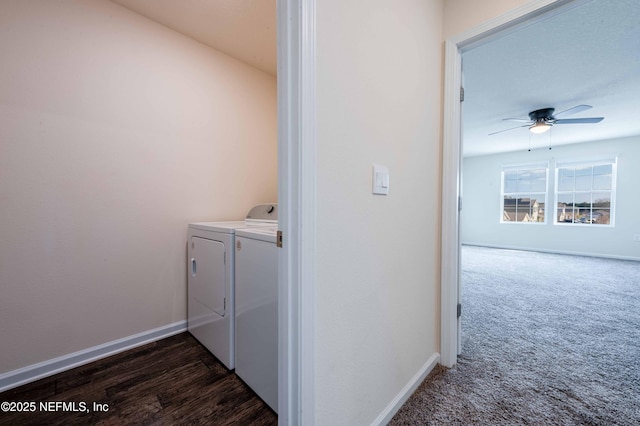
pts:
pixel 544 114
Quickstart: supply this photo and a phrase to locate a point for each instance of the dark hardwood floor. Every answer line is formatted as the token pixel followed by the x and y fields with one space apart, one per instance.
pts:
pixel 173 381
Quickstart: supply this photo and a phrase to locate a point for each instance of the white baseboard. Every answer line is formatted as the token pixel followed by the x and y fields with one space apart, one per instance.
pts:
pixel 53 366
pixel 397 402
pixel 543 250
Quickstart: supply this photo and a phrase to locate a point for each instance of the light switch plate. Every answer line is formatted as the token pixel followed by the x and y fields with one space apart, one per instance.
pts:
pixel 380 180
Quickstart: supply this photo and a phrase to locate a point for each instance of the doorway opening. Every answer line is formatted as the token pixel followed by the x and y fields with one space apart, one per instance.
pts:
pixel 526 15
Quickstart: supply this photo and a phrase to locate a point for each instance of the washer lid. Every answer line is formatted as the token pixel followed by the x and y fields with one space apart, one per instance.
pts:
pixel 224 227
pixel 267 234
pixel 263 213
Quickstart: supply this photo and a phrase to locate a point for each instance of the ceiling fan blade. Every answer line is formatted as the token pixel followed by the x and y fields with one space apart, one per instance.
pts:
pixel 519 120
pixel 506 130
pixel 574 110
pixel 579 120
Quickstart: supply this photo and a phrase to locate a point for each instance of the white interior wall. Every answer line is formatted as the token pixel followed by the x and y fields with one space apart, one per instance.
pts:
pixel 379 96
pixel 115 133
pixel 462 15
pixel 480 217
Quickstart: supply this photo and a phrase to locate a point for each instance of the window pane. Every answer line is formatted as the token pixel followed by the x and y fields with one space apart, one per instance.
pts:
pixel 523 210
pixel 584 176
pixel 538 180
pixel 566 171
pixel 602 199
pixel 510 182
pixel 510 186
pixel 601 216
pixel 565 208
pixel 582 200
pixel 605 169
pixel 602 181
pixel 565 180
pixel 583 183
pixel 536 210
pixel 584 171
pixel 509 212
pixel 582 208
pixel 581 214
pixel 524 184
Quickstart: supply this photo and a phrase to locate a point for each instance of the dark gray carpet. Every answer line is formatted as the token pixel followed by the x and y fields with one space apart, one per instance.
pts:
pixel 547 340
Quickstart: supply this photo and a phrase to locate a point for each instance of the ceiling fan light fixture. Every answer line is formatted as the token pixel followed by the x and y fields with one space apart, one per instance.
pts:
pixel 540 127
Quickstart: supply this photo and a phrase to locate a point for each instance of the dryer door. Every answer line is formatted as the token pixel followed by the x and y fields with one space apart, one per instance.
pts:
pixel 207 270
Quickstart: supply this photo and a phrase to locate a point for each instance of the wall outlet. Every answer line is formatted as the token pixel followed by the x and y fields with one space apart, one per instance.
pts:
pixel 636 238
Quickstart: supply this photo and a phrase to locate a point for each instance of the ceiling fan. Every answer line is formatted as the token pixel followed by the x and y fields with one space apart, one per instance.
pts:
pixel 541 120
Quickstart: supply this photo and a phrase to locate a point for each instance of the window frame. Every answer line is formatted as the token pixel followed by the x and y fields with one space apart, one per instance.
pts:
pixel 525 167
pixel 613 161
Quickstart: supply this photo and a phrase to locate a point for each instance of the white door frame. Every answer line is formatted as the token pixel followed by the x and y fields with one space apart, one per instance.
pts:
pixel 297 207
pixel 526 14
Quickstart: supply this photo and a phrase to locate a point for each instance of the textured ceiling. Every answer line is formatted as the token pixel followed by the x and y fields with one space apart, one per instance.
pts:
pixel 244 29
pixel 589 54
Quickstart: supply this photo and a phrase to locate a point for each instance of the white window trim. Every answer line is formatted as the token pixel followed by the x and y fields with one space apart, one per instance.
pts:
pixel 588 162
pixel 525 166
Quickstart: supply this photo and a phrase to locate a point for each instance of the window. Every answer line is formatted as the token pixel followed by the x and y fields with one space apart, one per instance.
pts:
pixel 524 193
pixel 585 193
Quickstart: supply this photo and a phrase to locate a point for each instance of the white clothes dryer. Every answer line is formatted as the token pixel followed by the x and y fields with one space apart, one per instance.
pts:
pixel 210 280
pixel 257 311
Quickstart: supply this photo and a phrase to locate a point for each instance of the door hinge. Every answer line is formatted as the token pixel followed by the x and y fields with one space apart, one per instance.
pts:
pixel 459 313
pixel 459 203
pixel 461 94
pixel 279 239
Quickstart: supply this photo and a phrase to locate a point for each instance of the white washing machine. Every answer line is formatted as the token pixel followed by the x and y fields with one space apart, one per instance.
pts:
pixel 210 280
pixel 257 312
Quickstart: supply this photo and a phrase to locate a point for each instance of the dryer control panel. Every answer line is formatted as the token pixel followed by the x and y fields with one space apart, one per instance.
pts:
pixel 263 213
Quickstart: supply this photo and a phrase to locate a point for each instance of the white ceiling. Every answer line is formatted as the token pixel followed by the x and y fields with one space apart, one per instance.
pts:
pixel 244 29
pixel 589 54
